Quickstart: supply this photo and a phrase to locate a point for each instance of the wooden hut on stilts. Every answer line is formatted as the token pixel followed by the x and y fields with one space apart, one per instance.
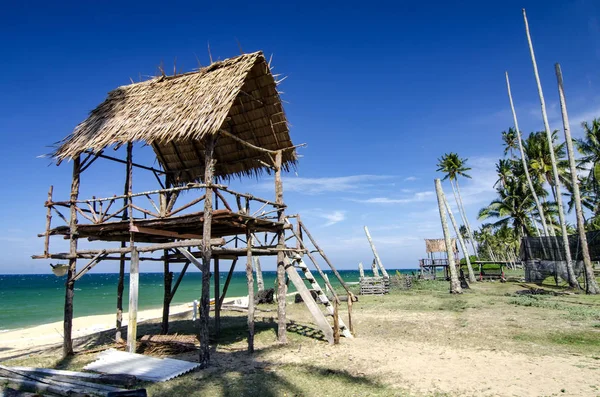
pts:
pixel 437 258
pixel 225 120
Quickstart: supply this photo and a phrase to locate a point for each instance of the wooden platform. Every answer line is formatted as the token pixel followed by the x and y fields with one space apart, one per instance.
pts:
pixel 157 230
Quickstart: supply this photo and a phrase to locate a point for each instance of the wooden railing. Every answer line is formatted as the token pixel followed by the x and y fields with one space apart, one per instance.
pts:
pixel 159 204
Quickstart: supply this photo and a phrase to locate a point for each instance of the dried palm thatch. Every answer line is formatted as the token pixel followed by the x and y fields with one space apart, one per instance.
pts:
pixel 439 245
pixel 174 114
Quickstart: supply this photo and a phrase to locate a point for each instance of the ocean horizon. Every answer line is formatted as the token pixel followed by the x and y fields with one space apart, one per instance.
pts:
pixel 34 299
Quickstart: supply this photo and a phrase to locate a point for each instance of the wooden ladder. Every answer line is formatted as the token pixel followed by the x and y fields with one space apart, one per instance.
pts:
pixel 297 260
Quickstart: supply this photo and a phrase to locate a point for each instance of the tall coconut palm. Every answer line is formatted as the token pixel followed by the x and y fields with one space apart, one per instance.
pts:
pixel 524 160
pixel 591 284
pixel 563 224
pixel 453 167
pixel 509 139
pixel 512 207
pixel 537 150
pixel 589 148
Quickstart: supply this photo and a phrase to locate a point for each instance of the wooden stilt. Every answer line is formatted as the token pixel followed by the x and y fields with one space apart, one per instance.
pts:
pixel 217 297
pixel 168 279
pixel 70 287
pixel 226 286
pixel 259 276
pixel 281 285
pixel 134 276
pixel 48 222
pixel 336 323
pixel 203 333
pixel 121 283
pixel 250 294
pixel 377 259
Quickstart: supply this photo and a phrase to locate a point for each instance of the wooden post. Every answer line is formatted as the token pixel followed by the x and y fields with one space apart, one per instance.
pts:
pixel 70 287
pixel 463 246
pixel 250 279
pixel 121 283
pixel 209 164
pixel 168 279
pixel 561 214
pixel 216 276
pixel 226 286
pixel 281 286
pixel 374 268
pixel 377 259
pixel 336 323
pixel 591 286
pixel 48 222
pixel 350 326
pixel 361 271
pixel 259 276
pixel 134 276
pixel 454 283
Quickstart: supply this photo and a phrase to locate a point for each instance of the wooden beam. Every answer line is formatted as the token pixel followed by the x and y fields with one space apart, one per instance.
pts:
pixel 88 267
pixel 157 232
pixel 191 258
pixel 168 279
pixel 70 287
pixel 281 285
pixel 250 279
pixel 203 335
pixel 226 286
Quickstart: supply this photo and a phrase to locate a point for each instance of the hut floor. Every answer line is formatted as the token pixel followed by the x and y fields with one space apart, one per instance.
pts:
pixel 158 230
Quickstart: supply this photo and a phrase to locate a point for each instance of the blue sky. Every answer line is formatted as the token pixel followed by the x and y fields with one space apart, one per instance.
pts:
pixel 378 91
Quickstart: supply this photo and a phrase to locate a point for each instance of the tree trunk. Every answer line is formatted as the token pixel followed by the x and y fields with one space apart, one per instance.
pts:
pixel 524 161
pixel 70 287
pixel 250 280
pixel 463 246
pixel 563 224
pixel 591 286
pixel 281 287
pixel 203 333
pixel 454 282
pixel 463 215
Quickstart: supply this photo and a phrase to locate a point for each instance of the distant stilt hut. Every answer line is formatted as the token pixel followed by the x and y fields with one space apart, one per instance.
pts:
pixel 437 258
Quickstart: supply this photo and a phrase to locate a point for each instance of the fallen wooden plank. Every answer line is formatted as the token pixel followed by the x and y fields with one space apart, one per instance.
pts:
pixel 122 380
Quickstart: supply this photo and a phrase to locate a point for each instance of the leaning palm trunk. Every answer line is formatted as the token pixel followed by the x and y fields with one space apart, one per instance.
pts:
pixel 454 283
pixel 463 215
pixel 591 286
pixel 524 161
pixel 561 215
pixel 463 246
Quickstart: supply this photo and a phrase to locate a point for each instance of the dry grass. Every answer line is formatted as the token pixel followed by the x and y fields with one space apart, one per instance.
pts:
pixel 408 343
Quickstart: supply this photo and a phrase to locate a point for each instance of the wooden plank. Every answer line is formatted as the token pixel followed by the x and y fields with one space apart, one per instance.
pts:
pixel 312 306
pixel 157 232
pixel 133 300
pixel 190 258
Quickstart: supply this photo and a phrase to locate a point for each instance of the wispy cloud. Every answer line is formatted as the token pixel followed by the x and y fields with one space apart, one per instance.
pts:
pixel 415 198
pixel 331 184
pixel 410 179
pixel 333 217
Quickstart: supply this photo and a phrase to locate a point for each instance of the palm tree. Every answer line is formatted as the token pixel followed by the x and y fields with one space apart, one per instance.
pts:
pixel 504 169
pixel 524 160
pixel 510 140
pixel 589 148
pixel 453 166
pixel 512 207
pixel 540 159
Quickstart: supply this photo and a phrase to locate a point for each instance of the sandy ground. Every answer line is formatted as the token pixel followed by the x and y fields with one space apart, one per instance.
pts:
pixel 50 334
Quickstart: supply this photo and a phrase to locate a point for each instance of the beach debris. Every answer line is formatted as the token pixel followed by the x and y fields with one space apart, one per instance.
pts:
pixel 168 344
pixel 41 380
pixel 265 296
pixel 143 367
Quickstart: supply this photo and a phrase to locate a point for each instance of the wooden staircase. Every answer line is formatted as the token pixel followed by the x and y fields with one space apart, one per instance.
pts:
pixel 293 262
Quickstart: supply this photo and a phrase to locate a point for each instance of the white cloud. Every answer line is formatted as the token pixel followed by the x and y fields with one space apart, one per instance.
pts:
pixel 415 198
pixel 410 179
pixel 333 217
pixel 331 184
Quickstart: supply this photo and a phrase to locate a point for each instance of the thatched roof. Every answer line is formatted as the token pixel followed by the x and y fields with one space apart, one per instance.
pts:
pixel 174 113
pixel 439 245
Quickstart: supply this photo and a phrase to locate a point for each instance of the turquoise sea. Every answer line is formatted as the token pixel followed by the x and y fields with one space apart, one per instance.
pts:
pixel 34 299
